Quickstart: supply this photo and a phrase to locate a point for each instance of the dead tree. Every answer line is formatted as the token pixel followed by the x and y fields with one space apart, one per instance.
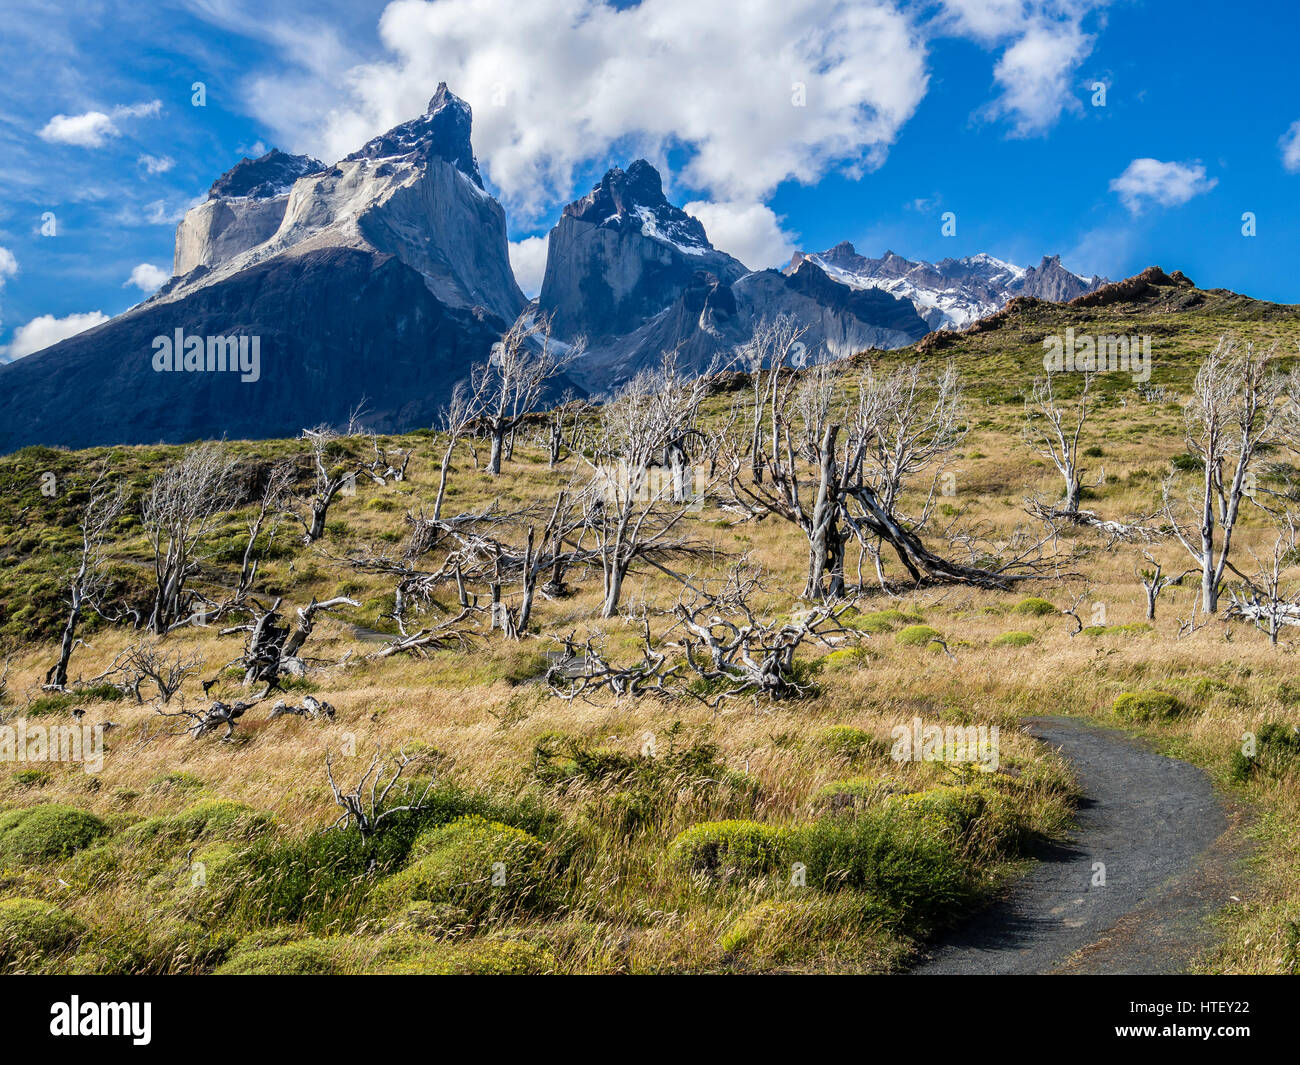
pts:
pixel 455 419
pixel 563 420
pixel 385 467
pixel 1154 580
pixel 217 715
pixel 1269 598
pixel 328 482
pixel 147 662
pixel 266 519
pixel 915 424
pixel 632 508
pixel 366 805
pixel 1234 410
pixel 177 513
pixel 775 344
pixel 85 583
pixel 311 707
pixel 582 670
pixel 717 649
pixel 1053 430
pixel 508 387
pixel 272 649
pixel 818 476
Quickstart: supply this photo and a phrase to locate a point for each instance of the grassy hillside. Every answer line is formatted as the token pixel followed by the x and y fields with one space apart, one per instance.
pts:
pixel 193 854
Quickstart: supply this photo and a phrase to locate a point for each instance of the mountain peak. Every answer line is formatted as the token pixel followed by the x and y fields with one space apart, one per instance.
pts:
pixel 444 97
pixel 620 192
pixel 633 200
pixel 951 293
pixel 442 132
pixel 268 175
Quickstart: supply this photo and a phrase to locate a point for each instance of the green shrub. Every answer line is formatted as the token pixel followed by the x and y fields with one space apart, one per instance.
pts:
pixel 61 702
pixel 853 793
pixel 1015 638
pixel 731 848
pixel 488 868
pixel 31 930
pixel 849 742
pixel 880 621
pixel 846 658
pixel 810 925
pixel 307 957
pixel 894 855
pixel 1147 706
pixel 1034 607
pixel 213 820
pixel 481 956
pixel 1117 630
pixel 38 833
pixel 917 636
pixel 322 878
pixel 1277 749
pixel 340 955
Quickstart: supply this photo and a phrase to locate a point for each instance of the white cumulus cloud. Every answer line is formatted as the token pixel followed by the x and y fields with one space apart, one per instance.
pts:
pixel 1290 145
pixel 789 91
pixel 1044 44
pixel 148 278
pixel 1167 184
pixel 93 129
pixel 528 261
pixel 1035 75
pixel 41 332
pixel 750 231
pixel 8 265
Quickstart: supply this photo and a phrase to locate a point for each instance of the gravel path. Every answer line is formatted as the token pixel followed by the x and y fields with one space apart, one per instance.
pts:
pixel 1172 856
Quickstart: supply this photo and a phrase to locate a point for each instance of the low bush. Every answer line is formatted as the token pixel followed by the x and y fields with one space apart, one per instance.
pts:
pixel 1013 639
pixel 1034 607
pixel 728 849
pixel 488 869
pixel 917 636
pixel 32 930
pixel 40 833
pixel 1147 706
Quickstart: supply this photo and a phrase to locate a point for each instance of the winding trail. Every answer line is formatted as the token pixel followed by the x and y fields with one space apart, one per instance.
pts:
pixel 1172 855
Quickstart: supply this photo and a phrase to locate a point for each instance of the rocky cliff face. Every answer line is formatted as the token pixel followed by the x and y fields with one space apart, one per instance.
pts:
pixel 637 276
pixel 386 276
pixel 245 207
pixel 622 254
pixel 952 293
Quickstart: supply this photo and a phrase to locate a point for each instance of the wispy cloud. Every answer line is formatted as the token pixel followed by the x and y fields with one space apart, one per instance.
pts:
pixel 1290 145
pixel 1044 43
pixel 154 164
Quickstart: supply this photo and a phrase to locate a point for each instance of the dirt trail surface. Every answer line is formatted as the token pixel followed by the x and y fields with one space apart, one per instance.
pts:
pixel 1172 854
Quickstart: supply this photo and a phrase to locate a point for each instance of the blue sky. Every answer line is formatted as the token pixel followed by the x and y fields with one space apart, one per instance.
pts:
pixel 787 124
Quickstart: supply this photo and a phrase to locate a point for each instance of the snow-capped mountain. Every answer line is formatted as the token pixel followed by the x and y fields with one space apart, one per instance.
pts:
pixel 952 293
pixel 384 277
pixel 637 276
pixel 623 253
